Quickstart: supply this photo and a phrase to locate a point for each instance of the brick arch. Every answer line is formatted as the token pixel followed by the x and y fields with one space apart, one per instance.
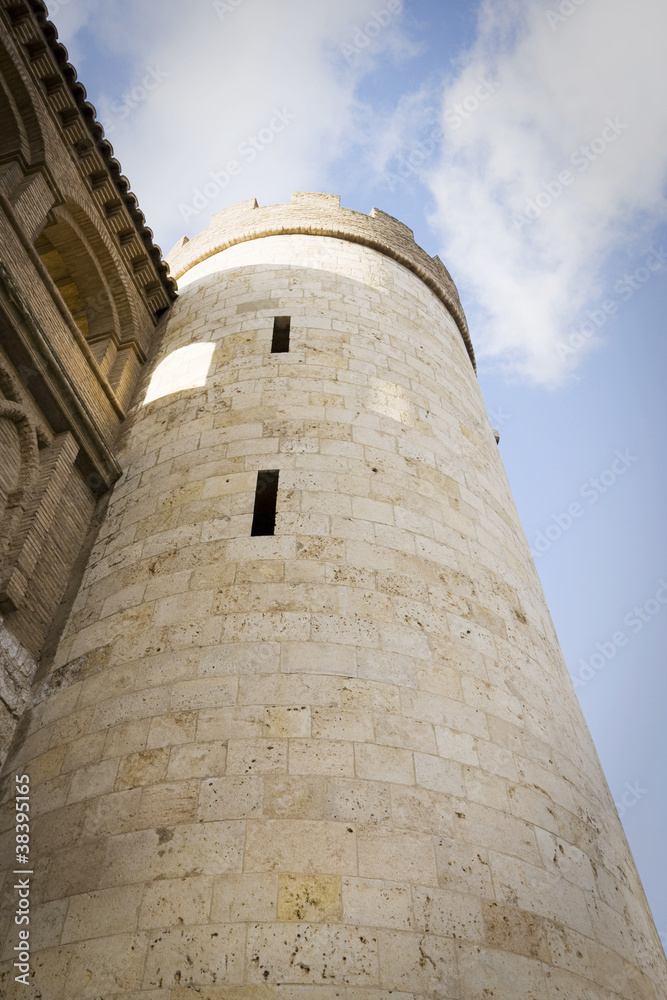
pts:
pixel 13 140
pixel 21 135
pixel 113 275
pixel 13 410
pixel 93 285
pixel 73 267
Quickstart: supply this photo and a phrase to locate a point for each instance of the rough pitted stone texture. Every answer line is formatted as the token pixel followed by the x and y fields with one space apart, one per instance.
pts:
pixel 342 762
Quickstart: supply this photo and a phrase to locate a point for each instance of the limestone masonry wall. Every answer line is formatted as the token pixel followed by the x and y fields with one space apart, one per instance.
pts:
pixel 344 761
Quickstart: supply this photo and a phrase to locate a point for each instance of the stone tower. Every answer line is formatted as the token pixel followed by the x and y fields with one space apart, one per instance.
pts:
pixel 308 734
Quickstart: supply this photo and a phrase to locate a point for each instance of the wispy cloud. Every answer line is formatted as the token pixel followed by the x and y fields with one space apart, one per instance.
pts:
pixel 70 17
pixel 565 162
pixel 225 69
pixel 545 152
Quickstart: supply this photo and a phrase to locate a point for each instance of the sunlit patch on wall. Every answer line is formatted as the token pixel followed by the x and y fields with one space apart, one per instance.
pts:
pixel 388 399
pixel 186 368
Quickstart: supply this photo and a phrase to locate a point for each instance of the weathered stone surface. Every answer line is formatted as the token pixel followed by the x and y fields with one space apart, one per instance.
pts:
pixel 309 898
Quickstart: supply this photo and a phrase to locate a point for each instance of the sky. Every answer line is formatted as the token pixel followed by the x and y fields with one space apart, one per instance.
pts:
pixel 525 142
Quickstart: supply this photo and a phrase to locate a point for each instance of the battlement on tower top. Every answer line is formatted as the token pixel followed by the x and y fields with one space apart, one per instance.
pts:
pixel 318 214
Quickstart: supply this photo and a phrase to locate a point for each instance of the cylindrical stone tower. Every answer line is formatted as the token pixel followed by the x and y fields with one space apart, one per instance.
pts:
pixel 309 734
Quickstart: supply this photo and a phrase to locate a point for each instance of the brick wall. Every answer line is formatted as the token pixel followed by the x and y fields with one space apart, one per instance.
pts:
pixel 80 286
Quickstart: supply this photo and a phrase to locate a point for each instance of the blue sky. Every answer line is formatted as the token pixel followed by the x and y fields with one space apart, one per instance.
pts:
pixel 524 141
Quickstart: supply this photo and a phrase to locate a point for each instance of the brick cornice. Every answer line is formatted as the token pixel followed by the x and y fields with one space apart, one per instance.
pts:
pixel 24 18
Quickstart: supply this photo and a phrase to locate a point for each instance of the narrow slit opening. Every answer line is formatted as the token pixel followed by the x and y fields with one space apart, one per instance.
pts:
pixel 266 495
pixel 280 342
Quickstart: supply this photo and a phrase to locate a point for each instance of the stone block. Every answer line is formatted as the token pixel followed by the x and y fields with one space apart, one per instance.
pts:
pixel 312 898
pixel 310 847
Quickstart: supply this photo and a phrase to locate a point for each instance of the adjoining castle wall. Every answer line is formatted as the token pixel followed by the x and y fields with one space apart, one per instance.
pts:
pixel 81 284
pixel 344 760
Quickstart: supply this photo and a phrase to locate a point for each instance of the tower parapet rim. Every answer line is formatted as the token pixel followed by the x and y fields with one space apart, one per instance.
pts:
pixel 317 214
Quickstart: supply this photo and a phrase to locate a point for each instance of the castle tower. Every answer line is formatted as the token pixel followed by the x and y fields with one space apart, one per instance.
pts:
pixel 309 734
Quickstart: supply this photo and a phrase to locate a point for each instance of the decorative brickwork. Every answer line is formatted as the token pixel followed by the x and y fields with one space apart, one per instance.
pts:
pixel 77 317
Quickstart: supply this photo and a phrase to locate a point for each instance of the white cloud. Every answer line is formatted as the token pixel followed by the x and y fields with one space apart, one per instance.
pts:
pixel 594 78
pixel 196 80
pixel 70 16
pixel 401 130
pixel 223 71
